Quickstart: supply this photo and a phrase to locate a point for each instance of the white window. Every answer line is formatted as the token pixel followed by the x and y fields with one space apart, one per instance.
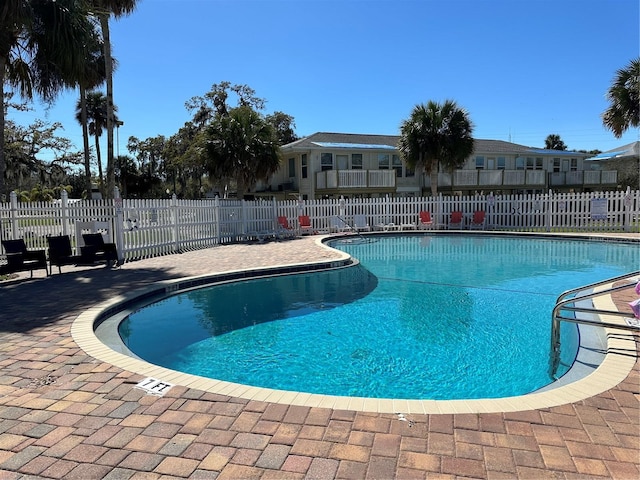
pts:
pixel 502 163
pixel 529 164
pixel 292 167
pixel 397 165
pixel 326 161
pixel 303 166
pixel 356 161
pixel 479 163
pixel 383 161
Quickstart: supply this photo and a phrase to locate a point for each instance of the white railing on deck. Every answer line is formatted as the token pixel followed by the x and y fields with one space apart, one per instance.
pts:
pixel 332 179
pixel 146 228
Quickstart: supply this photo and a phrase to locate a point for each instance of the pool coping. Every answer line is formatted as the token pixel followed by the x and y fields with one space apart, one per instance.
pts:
pixel 613 369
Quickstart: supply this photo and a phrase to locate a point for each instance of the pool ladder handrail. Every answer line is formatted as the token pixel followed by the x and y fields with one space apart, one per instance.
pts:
pixel 562 303
pixel 352 228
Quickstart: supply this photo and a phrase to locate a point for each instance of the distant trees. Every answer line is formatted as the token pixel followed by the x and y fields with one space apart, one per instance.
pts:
pixel 228 143
pixel 25 171
pixel 554 142
pixel 624 100
pixel 436 134
pixel 150 154
pixel 242 146
pixel 284 126
pixel 233 143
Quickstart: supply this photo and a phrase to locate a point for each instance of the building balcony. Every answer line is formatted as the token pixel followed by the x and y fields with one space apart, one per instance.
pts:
pixel 354 180
pixel 586 178
pixel 524 179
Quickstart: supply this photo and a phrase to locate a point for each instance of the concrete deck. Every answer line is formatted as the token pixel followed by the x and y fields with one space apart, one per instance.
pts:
pixel 67 414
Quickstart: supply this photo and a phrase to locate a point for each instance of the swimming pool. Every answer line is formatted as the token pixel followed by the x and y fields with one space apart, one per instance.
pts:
pixel 420 313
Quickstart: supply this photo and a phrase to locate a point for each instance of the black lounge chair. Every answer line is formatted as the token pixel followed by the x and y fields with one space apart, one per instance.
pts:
pixel 60 252
pixel 20 259
pixel 95 249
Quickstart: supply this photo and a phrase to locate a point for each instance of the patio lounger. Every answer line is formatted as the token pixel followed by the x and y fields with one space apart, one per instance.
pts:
pixel 360 223
pixel 478 220
pixel 20 259
pixel 425 220
pixel 284 230
pixel 60 252
pixel 338 225
pixel 456 220
pixel 305 225
pixel 95 249
pixel 385 225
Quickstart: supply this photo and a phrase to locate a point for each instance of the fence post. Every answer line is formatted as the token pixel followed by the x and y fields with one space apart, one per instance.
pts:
pixel 548 221
pixel 216 218
pixel 275 212
pixel 118 224
pixel 64 203
pixel 13 214
pixel 176 227
pixel 628 203
pixel 245 227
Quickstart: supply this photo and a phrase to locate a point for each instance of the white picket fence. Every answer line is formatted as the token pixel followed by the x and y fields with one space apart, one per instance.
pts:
pixel 147 228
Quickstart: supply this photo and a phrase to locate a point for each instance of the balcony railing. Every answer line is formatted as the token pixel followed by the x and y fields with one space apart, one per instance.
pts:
pixel 586 177
pixel 523 178
pixel 465 179
pixel 347 179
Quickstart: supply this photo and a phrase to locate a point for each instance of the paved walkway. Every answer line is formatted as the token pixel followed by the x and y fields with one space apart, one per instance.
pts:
pixel 64 414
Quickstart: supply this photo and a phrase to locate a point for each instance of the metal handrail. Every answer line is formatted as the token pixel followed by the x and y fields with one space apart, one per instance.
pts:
pixel 562 304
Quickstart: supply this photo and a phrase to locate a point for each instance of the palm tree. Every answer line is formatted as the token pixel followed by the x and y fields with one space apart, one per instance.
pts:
pixel 436 135
pixel 103 9
pixel 96 117
pixel 42 50
pixel 93 76
pixel 554 142
pixel 242 145
pixel 624 100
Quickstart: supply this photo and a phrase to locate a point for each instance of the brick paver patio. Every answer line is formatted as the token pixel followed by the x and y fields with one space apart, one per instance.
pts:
pixel 64 414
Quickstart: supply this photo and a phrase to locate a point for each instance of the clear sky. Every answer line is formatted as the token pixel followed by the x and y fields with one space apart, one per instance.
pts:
pixel 523 69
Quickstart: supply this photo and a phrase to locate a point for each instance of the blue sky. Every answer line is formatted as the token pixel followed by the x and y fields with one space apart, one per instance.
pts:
pixel 522 68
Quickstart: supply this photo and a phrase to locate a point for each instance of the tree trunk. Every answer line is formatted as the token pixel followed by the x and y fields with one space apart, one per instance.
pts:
pixel 104 26
pixel 3 159
pixel 85 140
pixel 99 157
pixel 434 177
pixel 240 188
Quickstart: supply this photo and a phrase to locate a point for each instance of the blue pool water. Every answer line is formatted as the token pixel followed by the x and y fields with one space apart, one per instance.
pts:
pixel 421 317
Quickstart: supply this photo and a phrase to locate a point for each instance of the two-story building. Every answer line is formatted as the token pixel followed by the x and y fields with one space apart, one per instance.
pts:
pixel 355 165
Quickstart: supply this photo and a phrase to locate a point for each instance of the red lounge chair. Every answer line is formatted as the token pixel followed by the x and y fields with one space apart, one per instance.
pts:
pixel 305 225
pixel 478 220
pixel 425 220
pixel 456 220
pixel 284 229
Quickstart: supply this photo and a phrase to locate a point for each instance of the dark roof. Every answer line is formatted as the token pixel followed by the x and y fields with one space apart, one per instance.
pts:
pixel 372 142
